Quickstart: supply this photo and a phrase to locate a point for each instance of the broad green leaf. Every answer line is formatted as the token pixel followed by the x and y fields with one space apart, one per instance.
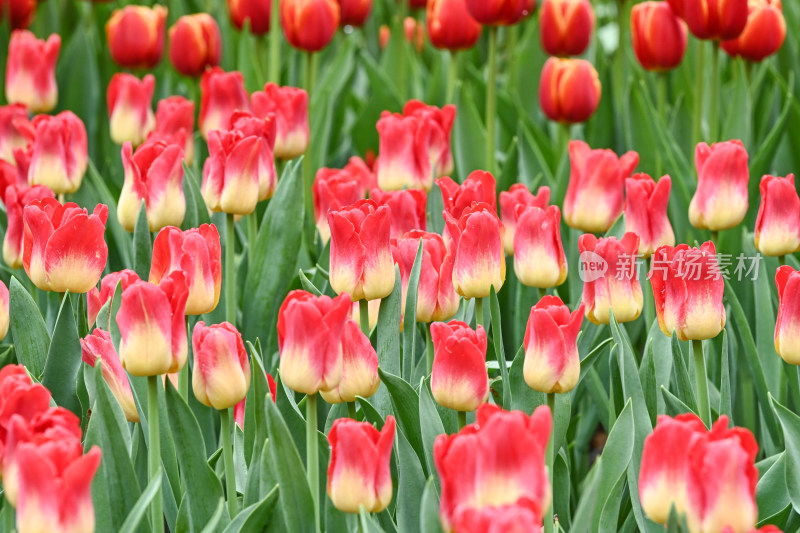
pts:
pixel 410 315
pixel 617 455
pixel 28 329
pixel 469 138
pixel 142 244
pixel 791 432
pixel 256 517
pixel 499 350
pixel 411 483
pixel 405 403
pixel 430 422
pixel 64 359
pixel 429 512
pixel 772 494
pixel 141 508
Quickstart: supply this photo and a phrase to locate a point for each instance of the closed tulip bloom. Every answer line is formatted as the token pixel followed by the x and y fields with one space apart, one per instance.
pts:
pixel 450 25
pixel 359 473
pixel 539 260
pixel 131 117
pixel 407 208
pixel 96 299
pixel 152 326
pixel 404 157
pixel 777 229
pixel 500 12
pixel 359 367
pixel 16 131
pixel 477 248
pixel 519 195
pixel 688 289
pixel 16 198
pixel 194 45
pixel 476 474
pixel 646 212
pixel 4 310
pixel 335 188
pixel 720 201
pixel 309 25
pixel 595 194
pixel 265 130
pixel 610 278
pixel 290 107
pixel 787 327
pixel 19 396
pixel 255 12
pixel 175 120
pixel 31 71
pixel 60 152
pixel 136 36
pixel 354 12
pixel 310 341
pixel 223 94
pixel 569 90
pixel 98 346
pixel 233 172
pixel 414 33
pixel 677 7
pixel 764 33
pixel 552 363
pixel 715 19
pixel 221 373
pixel 64 247
pixel 659 37
pixel 480 186
pixel 501 519
pixel 197 254
pixel 459 380
pixel 437 128
pixel 565 26
pixel 20 12
pixel 361 260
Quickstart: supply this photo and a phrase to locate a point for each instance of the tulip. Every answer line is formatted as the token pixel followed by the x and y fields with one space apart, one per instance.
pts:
pixel 239 408
pixel 437 126
pixel 354 12
pixel 20 13
pixel 720 201
pixel 777 229
pixel 404 160
pixel 450 25
pixel 31 71
pixel 99 346
pixel 518 195
pixel 569 90
pixel 175 120
pixel 195 44
pixel 96 299
pixel 414 33
pixel 197 254
pixel 477 248
pixel 4 310
pixel 500 12
pixel 63 247
pixel 265 130
pixel 131 117
pixel 479 186
pixel 334 189
pixel 688 289
pixel 60 152
pixel 539 260
pixel 715 19
pixel 255 12
pixel 136 36
pixel 19 396
pixel 677 7
pixel 610 278
pixel 596 185
pixel 16 131
pixel 787 341
pixel 310 341
pixel 221 374
pixel 436 298
pixel 763 34
pixel 407 209
pixel 152 326
pixel 505 519
pixel 309 25
pixel 646 212
pixel 290 107
pixel 359 367
pixel 565 26
pixel 223 94
pixel 358 473
pixel 459 380
pixel 361 261
pixel 16 198
pixel 659 37
pixel 476 474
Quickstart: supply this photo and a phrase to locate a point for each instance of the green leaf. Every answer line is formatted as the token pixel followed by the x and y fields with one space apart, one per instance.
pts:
pixel 725 402
pixel 411 483
pixel 766 152
pixel 405 402
pixel 64 360
pixel 469 137
pixel 389 328
pixel 28 329
pixel 196 210
pixel 772 495
pixel 617 454
pixel 429 512
pixel 367 524
pixel 121 239
pixel 430 423
pixel 410 317
pixel 139 510
pixel 307 285
pixel 142 244
pixel 499 350
pixel 255 422
pixel 685 387
pixel 582 519
pixel 256 517
pixel 791 432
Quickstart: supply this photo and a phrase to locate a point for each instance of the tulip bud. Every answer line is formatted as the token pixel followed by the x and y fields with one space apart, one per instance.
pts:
pixel 334 189
pixel 30 71
pixel 565 26
pixel 787 341
pixel 310 341
pixel 610 278
pixel 136 36
pixel 152 326
pixel 309 25
pixel 19 396
pixel 552 363
pixel 459 380
pixel 595 194
pixel 354 12
pixel 290 107
pixel 720 201
pixel 359 473
pixel 688 289
pixel 255 12
pixel 196 253
pixel 677 7
pixel 16 198
pixel 539 260
pixel 96 299
pixel 715 19
pixel 195 44
pixel 407 209
pixel 569 90
pixel 500 12
pixel 518 195
pixel 223 94
pixel 175 121
pixel 404 160
pixel 16 131
pixel 659 37
pixel 450 25
pixel 129 110
pixel 233 172
pixel 777 229
pixel 476 250
pixel 63 247
pixel 480 186
pixel 4 310
pixel 221 374
pixel 646 212
pixel 265 130
pixel 437 126
pixel 60 152
pixel 99 346
pixel 361 261
pixel 763 34
pixel 359 367
pixel 414 33
pixel 19 12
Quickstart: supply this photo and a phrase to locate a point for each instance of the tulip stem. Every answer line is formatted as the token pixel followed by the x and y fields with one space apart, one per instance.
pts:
pixel 542 292
pixel 478 312
pixel 183 373
pixel 363 316
pixel 429 347
pixel 551 452
pixel 491 100
pixel 713 104
pixel 702 382
pixel 402 83
pixel 312 452
pixel 462 419
pixel 154 457
pixel 452 78
pixel 698 95
pixel 275 43
pixel 227 456
pixel 661 98
pixel 230 270
pixel 351 410
pixel 782 262
pixel 252 236
pixel 308 178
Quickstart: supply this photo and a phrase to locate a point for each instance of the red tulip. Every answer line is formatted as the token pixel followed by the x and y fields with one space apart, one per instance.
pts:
pixel 60 152
pixel 763 34
pixel 438 125
pixel 539 260
pixel 565 26
pixel 500 12
pixel 777 229
pixel 197 254
pixel 236 166
pixel 404 160
pixel 131 117
pixel 646 212
pixel 417 4
pixel 265 130
pixel 99 346
pixel 407 208
pixel 290 107
pixel 20 12
pixel 221 374
pixel 414 33
pixel 596 185
pixel 96 299
pixel 720 201
pixel 610 278
pixel 310 341
pixel 787 341
pixel 459 380
pixel 359 367
pixel 4 310
pixel 334 189
pixel 175 121
pixel 569 90
pixel 715 19
pixel 659 37
pixel 16 198
pixel 502 519
pixel 239 408
pixel 31 71
pixel 677 7
pixel 309 25
pixel 136 36
pixel 223 94
pixel 358 473
pixel 354 12
pixel 450 25
pixel 552 363
pixel 16 131
pixel 195 44
pixel 19 397
pixel 255 12
pixel 476 474
pixel 480 186
pixel 688 289
pixel 518 195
